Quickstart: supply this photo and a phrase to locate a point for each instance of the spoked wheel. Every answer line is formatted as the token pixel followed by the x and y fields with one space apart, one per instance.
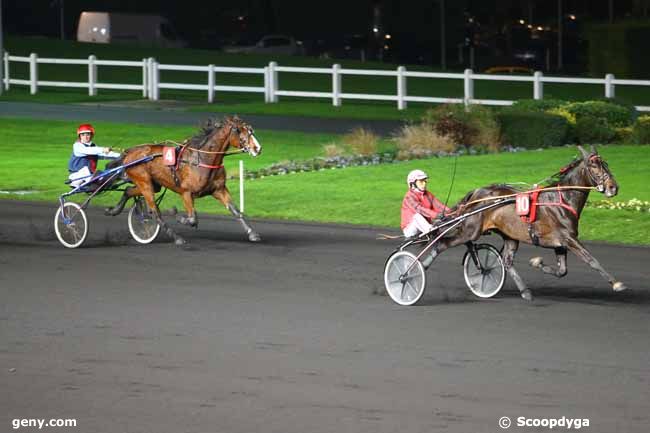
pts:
pixel 143 225
pixel 404 278
pixel 485 282
pixel 71 225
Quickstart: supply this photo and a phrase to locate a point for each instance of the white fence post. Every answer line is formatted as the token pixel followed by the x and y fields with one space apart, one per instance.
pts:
pixel 401 88
pixel 210 84
pixel 610 92
pixel 6 74
pixel 538 86
pixel 145 81
pixel 92 75
pixel 156 80
pixel 273 81
pixel 336 85
pixel 469 87
pixel 33 73
pixel 150 78
pixel 241 185
pixel 267 86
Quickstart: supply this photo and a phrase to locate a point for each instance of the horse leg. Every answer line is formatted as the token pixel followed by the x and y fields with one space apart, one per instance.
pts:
pixel 188 202
pixel 510 247
pixel 131 191
pixel 224 197
pixel 147 191
pixel 579 250
pixel 560 271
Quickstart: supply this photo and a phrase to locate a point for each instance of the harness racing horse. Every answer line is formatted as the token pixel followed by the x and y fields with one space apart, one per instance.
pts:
pixel 556 226
pixel 198 172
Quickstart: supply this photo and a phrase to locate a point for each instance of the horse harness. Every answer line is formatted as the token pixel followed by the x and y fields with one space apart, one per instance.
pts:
pixel 173 157
pixel 526 203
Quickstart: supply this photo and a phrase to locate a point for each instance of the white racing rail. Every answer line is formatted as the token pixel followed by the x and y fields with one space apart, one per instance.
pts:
pixel 151 82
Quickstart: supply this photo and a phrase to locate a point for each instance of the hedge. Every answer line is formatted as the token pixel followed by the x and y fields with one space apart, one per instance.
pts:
pixel 532 129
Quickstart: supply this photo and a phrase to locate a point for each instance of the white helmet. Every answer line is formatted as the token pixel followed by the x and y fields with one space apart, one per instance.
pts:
pixel 415 175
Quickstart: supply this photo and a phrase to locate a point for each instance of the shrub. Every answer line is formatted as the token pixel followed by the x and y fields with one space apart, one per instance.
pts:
pixel 641 130
pixel 532 129
pixel 614 115
pixel 421 139
pixel 623 135
pixel 361 141
pixel 590 129
pixel 540 105
pixel 333 149
pixel 476 126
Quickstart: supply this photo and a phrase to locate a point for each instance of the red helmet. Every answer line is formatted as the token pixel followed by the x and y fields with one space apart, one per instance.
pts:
pixel 86 127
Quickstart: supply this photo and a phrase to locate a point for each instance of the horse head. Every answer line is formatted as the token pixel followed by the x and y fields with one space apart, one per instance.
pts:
pixel 242 136
pixel 598 173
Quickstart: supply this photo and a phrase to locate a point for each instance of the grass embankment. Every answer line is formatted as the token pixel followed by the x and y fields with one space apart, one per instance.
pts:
pixel 35 155
pixel 253 103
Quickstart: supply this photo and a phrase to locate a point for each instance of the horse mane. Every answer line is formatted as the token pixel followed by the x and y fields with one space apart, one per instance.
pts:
pixel 209 127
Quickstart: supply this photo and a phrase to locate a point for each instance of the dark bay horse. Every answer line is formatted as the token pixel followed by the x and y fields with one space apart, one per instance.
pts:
pixel 199 171
pixel 556 225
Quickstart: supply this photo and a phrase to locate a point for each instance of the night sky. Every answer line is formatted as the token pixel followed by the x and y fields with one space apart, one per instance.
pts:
pixel 196 18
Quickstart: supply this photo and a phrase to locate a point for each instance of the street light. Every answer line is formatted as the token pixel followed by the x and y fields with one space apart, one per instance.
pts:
pixel 443 41
pixel 2 54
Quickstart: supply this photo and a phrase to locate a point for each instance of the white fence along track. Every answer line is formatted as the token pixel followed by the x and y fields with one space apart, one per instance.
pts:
pixel 151 83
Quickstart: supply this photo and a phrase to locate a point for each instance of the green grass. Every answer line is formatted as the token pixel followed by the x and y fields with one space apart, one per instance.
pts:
pixel 249 103
pixel 35 155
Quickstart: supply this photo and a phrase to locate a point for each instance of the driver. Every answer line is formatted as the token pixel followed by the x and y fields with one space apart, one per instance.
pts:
pixel 419 207
pixel 85 153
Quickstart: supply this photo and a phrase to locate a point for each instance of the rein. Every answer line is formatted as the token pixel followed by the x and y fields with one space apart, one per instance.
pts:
pixel 550 188
pixel 184 147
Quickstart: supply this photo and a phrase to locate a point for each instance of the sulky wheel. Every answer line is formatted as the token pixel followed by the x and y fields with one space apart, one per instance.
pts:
pixel 404 278
pixel 71 225
pixel 142 224
pixel 487 280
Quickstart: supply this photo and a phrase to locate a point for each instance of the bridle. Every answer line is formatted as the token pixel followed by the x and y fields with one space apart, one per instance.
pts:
pixel 597 180
pixel 243 144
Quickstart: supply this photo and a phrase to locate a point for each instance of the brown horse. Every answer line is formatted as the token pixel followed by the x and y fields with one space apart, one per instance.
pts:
pixel 556 226
pixel 199 171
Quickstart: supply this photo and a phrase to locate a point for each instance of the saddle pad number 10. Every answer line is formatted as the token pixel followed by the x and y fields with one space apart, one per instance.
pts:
pixel 522 204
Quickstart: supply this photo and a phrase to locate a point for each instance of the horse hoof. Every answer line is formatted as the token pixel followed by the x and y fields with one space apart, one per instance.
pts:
pixel 619 287
pixel 254 237
pixel 536 262
pixel 527 295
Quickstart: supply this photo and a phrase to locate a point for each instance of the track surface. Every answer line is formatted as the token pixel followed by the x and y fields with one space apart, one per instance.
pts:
pixel 287 335
pixel 111 113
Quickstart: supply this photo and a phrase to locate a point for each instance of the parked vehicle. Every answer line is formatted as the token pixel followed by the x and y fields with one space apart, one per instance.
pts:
pixel 112 27
pixel 271 44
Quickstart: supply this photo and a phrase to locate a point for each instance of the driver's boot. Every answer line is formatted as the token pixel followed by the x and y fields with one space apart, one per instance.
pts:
pixel 428 258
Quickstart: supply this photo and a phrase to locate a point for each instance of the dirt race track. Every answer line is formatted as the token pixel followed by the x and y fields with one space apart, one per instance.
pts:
pixel 287 336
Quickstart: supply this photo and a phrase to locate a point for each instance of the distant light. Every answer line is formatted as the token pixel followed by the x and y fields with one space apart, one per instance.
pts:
pixel 522 22
pixel 240 18
pixel 572 17
pixel 530 26
pixel 386 47
pixel 540 28
pixel 387 36
pixel 95 29
pixel 471 20
pixel 375 29
pixel 103 31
